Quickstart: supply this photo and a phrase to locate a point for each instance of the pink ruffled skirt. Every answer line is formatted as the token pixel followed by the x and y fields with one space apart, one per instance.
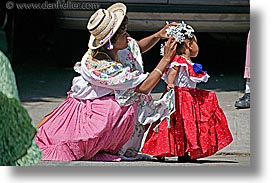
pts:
pixel 86 130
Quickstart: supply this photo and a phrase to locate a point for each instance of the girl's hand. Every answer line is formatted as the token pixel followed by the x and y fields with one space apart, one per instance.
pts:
pixel 170 49
pixel 162 33
pixel 170 86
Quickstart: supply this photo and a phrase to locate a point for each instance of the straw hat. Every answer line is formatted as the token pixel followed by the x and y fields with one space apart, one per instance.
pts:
pixel 103 24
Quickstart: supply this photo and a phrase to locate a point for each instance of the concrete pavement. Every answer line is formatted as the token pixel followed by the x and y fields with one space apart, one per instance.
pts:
pixel 216 160
pixel 44 88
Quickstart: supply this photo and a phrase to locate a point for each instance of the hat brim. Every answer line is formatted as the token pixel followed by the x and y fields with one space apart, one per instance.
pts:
pixel 119 9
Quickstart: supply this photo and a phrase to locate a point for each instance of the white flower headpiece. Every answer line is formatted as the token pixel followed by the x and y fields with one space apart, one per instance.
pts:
pixel 179 32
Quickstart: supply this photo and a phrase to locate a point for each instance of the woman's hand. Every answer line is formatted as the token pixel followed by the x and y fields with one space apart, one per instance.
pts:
pixel 147 43
pixel 170 49
pixel 151 81
pixel 162 33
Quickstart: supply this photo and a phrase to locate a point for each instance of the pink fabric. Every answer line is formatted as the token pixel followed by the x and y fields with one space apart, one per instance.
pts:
pixel 247 61
pixel 86 130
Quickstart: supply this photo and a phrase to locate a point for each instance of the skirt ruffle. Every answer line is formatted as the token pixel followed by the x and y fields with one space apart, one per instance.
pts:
pixel 198 127
pixel 86 130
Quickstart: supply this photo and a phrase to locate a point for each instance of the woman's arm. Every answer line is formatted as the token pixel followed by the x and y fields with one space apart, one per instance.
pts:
pixel 151 81
pixel 147 43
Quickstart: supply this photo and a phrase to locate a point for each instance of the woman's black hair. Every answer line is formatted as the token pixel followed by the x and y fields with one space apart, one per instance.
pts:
pixel 122 28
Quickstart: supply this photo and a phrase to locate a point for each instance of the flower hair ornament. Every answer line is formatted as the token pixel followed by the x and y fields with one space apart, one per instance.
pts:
pixel 179 32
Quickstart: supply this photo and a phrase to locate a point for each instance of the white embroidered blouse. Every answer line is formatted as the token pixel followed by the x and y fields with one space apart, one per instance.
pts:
pixel 99 78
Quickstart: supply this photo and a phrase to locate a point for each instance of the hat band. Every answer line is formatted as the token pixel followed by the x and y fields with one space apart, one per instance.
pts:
pixel 103 25
pixel 93 18
pixel 110 34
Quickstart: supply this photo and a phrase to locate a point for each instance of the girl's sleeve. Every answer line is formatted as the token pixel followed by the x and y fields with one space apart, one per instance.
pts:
pixel 178 61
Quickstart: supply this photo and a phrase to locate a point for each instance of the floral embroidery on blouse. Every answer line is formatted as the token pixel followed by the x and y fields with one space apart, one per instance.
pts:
pixel 110 72
pixel 131 60
pixel 133 54
pixel 123 76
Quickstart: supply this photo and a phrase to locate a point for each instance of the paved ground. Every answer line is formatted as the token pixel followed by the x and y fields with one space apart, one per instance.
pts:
pixel 44 88
pixel 217 160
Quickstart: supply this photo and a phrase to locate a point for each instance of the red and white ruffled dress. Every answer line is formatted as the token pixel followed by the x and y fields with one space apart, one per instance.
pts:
pixel 198 125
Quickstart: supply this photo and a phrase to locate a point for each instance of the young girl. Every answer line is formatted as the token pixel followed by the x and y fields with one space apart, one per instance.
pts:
pixel 198 128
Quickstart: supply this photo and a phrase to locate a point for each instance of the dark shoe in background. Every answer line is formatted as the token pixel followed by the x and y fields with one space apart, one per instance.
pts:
pixel 244 102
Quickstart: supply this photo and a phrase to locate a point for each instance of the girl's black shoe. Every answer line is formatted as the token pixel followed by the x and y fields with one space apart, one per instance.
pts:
pixel 159 159
pixel 186 159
